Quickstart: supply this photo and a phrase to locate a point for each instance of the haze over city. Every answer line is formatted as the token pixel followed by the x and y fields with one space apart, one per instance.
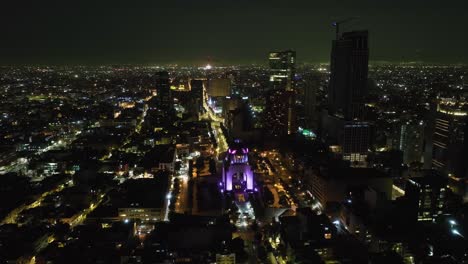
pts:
pixel 230 32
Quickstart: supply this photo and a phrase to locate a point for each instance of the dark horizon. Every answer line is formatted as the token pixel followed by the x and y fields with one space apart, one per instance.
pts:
pixel 226 32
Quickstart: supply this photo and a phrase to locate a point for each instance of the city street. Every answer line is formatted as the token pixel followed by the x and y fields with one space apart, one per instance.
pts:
pixel 182 203
pixel 12 217
pixel 289 184
pixel 216 124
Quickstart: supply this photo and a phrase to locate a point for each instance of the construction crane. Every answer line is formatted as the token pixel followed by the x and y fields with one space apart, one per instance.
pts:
pixel 337 24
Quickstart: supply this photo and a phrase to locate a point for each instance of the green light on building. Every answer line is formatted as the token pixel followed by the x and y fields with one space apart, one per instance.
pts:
pixel 307 133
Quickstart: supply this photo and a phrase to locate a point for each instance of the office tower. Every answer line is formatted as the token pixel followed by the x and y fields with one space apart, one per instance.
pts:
pixel 450 142
pixel 219 87
pixel 280 114
pixel 282 69
pixel 163 89
pixel 235 113
pixel 408 136
pixel 347 92
pixel 449 138
pixel 197 91
pixel 412 141
pixel 348 80
pixel 427 195
pixel 196 86
pixel 356 140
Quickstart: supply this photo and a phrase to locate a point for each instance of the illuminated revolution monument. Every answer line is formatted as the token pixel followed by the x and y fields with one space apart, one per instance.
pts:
pixel 237 173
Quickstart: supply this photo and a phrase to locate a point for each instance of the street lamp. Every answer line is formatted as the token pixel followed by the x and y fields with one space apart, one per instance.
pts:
pixel 456 232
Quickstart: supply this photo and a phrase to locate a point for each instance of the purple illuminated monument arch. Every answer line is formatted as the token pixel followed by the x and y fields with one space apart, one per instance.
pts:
pixel 237 173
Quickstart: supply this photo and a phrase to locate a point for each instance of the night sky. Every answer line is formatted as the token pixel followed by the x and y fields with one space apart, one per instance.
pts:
pixel 228 32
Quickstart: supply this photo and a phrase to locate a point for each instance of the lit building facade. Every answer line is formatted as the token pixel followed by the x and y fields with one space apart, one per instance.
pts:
pixel 412 141
pixel 427 195
pixel 450 138
pixel 226 258
pixel 142 214
pixel 450 143
pixel 356 140
pixel 408 136
pixel 280 113
pixel 282 69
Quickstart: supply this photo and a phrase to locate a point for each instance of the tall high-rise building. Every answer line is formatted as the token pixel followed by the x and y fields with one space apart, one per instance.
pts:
pixel 198 94
pixel 427 195
pixel 196 87
pixel 280 114
pixel 282 69
pixel 347 91
pixel 356 141
pixel 412 141
pixel 407 135
pixel 280 108
pixel 163 89
pixel 450 142
pixel 348 80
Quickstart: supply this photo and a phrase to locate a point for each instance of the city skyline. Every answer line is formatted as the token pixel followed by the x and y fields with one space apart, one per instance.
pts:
pixel 234 150
pixel 225 32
